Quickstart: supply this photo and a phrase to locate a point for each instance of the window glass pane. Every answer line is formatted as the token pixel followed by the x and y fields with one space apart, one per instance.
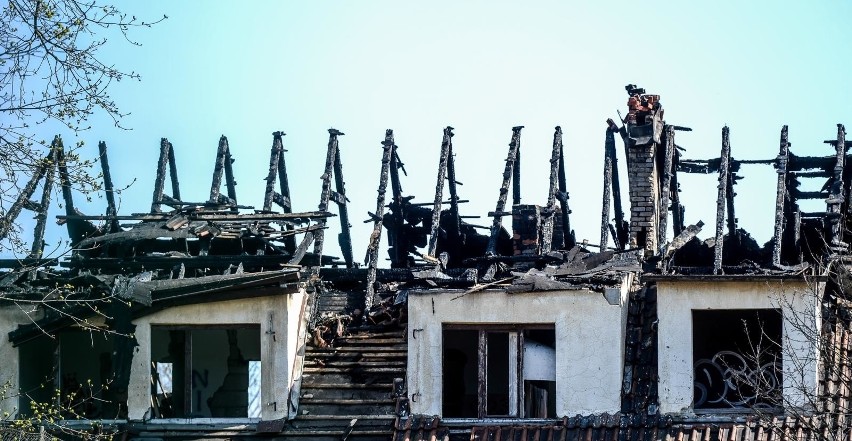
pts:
pixel 254 389
pixel 737 358
pixel 540 373
pixel 460 386
pixel 497 377
pixel 164 378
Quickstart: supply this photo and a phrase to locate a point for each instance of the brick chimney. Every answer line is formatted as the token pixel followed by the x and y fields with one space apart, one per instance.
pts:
pixel 642 133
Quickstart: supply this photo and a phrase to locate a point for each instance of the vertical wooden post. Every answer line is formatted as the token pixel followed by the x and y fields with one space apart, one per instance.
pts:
pixel 721 200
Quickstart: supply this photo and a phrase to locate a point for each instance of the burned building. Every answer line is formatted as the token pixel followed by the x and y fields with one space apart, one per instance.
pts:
pixel 217 320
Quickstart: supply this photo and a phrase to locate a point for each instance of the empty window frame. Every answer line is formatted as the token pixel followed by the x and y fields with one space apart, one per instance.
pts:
pixel 499 371
pixel 206 371
pixel 737 359
pixel 80 365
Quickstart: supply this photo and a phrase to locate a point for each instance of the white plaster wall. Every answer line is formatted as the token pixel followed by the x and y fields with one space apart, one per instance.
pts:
pixel 272 313
pixel 10 317
pixel 677 299
pixel 589 342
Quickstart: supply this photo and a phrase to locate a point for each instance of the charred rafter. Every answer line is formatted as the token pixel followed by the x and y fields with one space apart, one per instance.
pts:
pixel 334 167
pixel 510 173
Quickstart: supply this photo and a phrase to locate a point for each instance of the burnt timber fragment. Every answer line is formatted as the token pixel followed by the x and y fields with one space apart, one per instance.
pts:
pixel 722 201
pixel 223 164
pixel 334 167
pixel 372 258
pixel 511 174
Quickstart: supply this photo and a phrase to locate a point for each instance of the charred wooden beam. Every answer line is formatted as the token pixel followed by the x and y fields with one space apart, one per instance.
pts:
pixel 550 210
pixel 439 190
pixel 23 199
pixel 731 212
pixel 516 169
pixel 372 260
pixel 109 190
pixel 721 201
pixel 621 236
pixel 455 224
pixel 325 194
pixel 37 249
pixel 344 238
pixel 677 208
pixel 300 217
pixel 509 172
pixel 230 183
pixel 160 180
pixel 781 197
pixel 607 196
pixel 271 176
pixel 78 228
pixel 278 170
pixel 173 174
pixel 218 169
pixel 834 226
pixel 666 187
pixel 399 206
pixel 64 178
pixel 568 240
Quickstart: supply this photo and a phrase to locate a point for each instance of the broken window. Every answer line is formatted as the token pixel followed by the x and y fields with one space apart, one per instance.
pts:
pixel 737 358
pixel 206 371
pixel 499 372
pixel 84 382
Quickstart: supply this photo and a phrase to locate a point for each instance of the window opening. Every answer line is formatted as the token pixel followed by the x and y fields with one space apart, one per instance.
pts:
pixel 737 359
pixel 211 372
pixel 499 372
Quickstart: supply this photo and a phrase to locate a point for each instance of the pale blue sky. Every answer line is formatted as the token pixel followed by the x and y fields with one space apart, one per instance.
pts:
pixel 245 70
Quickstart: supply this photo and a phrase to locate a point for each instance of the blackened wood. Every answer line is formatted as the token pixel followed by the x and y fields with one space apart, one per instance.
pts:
pixel 345 237
pixel 550 210
pixel 108 187
pixel 302 249
pixel 399 249
pixel 230 183
pixel 836 197
pixel 512 162
pixel 516 169
pixel 677 207
pixel 160 180
pixel 64 179
pixel 23 199
pixel 721 200
pixel 455 225
pixel 300 217
pixel 218 169
pixel 372 260
pixel 325 194
pixel 567 235
pixel 271 175
pixel 665 191
pixel 482 374
pixel 439 191
pixel 173 174
pixel 605 226
pixel 732 214
pixel 621 227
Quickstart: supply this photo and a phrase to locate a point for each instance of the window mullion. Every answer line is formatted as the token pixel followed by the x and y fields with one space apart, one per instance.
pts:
pixel 482 374
pixel 187 375
pixel 514 373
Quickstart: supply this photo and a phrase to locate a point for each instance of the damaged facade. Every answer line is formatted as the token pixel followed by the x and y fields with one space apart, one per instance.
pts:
pixel 216 320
